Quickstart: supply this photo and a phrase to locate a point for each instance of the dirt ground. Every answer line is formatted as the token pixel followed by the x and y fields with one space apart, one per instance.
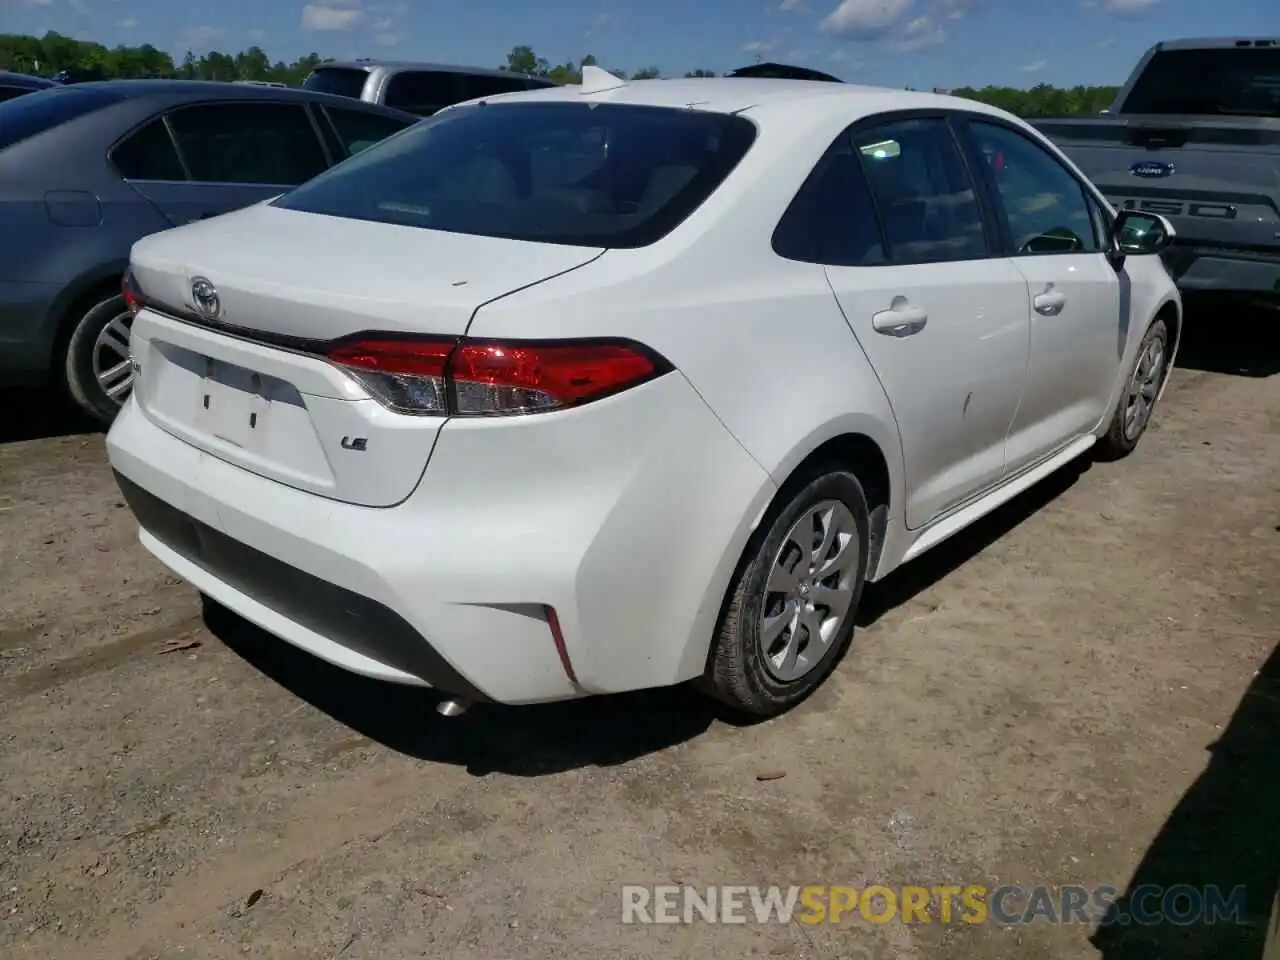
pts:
pixel 1084 690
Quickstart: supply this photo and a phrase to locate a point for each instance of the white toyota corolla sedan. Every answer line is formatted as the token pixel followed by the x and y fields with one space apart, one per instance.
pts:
pixel 619 385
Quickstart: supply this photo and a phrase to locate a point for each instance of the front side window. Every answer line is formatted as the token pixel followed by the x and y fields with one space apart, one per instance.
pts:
pixel 1043 203
pixel 923 192
pixel 607 175
pixel 273 144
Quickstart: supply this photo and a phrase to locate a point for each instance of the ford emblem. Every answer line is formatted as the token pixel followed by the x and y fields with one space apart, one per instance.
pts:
pixel 1150 169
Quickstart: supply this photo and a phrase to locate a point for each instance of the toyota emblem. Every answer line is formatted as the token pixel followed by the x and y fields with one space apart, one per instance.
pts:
pixel 205 296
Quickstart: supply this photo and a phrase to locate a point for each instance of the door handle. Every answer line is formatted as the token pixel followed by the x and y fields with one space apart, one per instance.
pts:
pixel 900 320
pixel 1051 302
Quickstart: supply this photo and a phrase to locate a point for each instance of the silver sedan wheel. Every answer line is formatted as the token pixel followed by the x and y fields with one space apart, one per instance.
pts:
pixel 1143 387
pixel 809 591
pixel 111 366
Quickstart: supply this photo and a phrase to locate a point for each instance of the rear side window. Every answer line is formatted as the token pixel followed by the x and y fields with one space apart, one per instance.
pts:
pixel 424 92
pixel 24 117
pixel 832 219
pixel 339 81
pixel 148 154
pixel 923 192
pixel 259 143
pixel 608 175
pixel 358 130
pixel 1239 81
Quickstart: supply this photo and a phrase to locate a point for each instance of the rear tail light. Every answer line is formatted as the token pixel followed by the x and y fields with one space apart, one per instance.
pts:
pixel 131 292
pixel 461 377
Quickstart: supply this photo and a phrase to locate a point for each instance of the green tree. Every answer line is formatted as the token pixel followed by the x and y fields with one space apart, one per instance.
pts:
pixel 522 59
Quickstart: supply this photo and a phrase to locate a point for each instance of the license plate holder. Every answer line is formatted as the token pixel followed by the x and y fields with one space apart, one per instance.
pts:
pixel 231 405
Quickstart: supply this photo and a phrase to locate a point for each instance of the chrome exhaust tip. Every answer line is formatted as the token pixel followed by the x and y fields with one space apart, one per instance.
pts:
pixel 452 708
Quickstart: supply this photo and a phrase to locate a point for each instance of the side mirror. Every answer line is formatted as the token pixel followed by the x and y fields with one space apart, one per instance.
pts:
pixel 1140 234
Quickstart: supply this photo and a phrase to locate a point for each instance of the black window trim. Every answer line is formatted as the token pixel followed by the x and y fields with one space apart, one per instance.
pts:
pixel 992 233
pixel 1088 192
pixel 165 115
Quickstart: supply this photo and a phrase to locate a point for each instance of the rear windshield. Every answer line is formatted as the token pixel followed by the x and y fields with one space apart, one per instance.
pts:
pixel 1238 81
pixel 340 81
pixel 605 175
pixel 24 117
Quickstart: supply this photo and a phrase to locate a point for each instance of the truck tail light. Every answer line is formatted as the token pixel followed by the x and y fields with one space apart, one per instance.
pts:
pixel 464 377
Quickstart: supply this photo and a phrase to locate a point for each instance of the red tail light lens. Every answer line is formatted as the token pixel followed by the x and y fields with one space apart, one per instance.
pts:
pixel 131 292
pixel 493 378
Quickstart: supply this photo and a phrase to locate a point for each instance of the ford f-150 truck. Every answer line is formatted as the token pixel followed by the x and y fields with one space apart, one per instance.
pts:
pixel 1194 134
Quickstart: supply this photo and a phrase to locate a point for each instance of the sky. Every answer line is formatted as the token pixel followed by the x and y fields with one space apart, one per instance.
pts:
pixel 918 43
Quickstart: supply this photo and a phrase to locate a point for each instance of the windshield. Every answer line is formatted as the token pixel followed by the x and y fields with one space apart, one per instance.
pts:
pixel 1243 81
pixel 340 81
pixel 24 117
pixel 574 173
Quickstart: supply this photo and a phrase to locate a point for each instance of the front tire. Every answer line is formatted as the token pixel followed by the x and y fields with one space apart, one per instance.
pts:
pixel 1137 402
pixel 97 372
pixel 790 611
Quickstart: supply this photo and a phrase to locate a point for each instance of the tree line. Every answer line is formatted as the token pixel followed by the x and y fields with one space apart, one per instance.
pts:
pixel 54 52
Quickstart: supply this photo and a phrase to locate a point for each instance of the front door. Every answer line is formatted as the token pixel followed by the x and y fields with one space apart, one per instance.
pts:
pixel 1079 319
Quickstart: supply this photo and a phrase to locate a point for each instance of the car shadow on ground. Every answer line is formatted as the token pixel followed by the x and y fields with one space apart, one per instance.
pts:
pixel 551 738
pixel 1224 336
pixel 520 741
pixel 1224 833
pixel 36 414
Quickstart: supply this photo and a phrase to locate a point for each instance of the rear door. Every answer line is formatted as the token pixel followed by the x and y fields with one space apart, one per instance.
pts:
pixel 199 161
pixel 942 316
pixel 1078 332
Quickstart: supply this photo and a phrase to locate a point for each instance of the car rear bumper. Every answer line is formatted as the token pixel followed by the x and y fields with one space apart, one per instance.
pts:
pixel 626 517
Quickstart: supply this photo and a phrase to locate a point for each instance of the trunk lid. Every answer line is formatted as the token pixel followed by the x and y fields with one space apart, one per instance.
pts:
pixel 1214 178
pixel 248 386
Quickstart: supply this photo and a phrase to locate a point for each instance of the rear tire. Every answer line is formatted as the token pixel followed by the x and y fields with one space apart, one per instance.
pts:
pixel 96 371
pixel 785 625
pixel 1138 400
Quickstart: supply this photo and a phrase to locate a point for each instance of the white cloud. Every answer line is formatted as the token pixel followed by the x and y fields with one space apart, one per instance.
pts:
pixel 1124 8
pixel 257 34
pixel 79 6
pixel 1035 66
pixel 601 21
pixel 865 19
pixel 919 34
pixel 128 23
pixel 954 9
pixel 37 3
pixel 202 36
pixel 1105 42
pixel 330 17
pixel 796 6
pixel 759 46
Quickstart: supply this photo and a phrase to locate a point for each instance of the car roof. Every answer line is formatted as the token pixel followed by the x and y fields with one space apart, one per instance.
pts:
pixel 206 90
pixel 399 65
pixel 796 98
pixel 26 80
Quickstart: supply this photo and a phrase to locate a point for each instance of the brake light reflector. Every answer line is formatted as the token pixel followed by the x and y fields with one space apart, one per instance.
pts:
pixel 131 292
pixel 460 377
pixel 406 374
